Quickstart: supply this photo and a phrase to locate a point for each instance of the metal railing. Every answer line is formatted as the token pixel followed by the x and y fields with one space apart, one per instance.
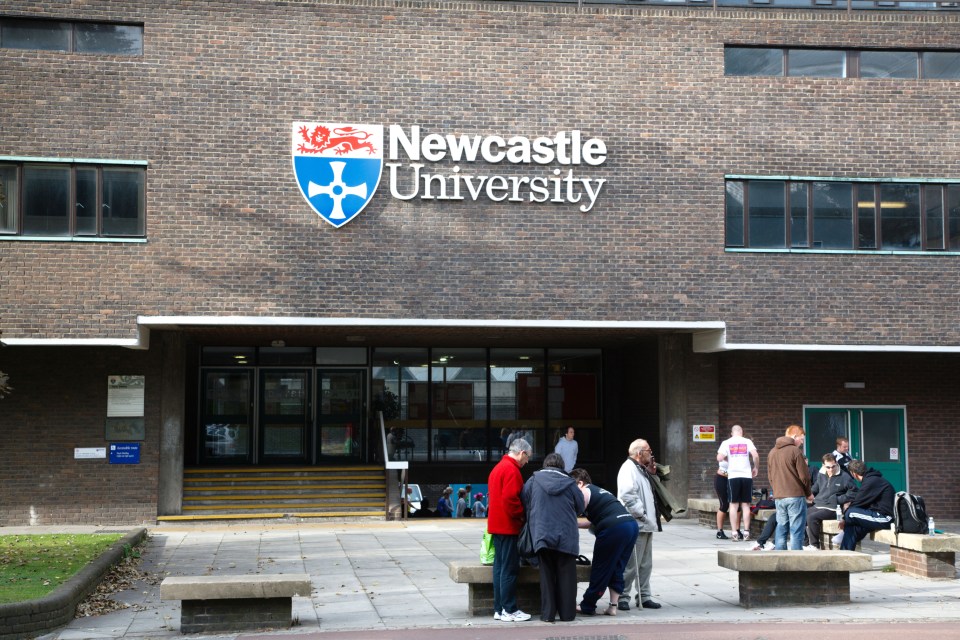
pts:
pixel 395 502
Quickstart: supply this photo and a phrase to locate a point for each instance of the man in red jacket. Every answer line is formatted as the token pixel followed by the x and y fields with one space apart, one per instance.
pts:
pixel 504 520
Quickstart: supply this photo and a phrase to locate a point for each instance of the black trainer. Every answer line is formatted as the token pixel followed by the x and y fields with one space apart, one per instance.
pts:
pixel 721 535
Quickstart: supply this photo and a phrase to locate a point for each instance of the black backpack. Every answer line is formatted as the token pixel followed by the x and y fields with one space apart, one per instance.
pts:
pixel 909 513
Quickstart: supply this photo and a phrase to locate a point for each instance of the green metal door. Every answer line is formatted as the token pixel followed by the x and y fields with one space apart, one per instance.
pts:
pixel 877 436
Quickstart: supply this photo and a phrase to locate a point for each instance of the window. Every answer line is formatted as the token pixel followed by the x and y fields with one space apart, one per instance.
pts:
pixel 941 65
pixel 817 63
pixel 81 37
pixel 72 200
pixel 888 64
pixel 742 61
pixel 840 63
pixel 842 215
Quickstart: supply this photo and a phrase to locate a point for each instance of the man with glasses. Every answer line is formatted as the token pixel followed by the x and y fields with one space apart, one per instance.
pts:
pixel 635 491
pixel 505 517
pixel 832 489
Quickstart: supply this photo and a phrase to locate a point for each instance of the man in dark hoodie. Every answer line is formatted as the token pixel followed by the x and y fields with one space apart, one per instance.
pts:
pixel 871 509
pixel 790 477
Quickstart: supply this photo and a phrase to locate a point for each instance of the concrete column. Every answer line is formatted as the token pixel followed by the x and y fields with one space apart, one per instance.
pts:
pixel 172 391
pixel 674 430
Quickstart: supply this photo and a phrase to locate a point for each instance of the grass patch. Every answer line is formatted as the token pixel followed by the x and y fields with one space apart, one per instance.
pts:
pixel 31 566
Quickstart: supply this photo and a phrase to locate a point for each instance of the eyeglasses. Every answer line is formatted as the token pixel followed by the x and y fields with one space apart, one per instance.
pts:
pixel 829 466
pixel 646 450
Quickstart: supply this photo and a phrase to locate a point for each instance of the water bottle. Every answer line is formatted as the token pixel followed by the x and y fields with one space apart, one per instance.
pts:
pixel 930 525
pixel 839 513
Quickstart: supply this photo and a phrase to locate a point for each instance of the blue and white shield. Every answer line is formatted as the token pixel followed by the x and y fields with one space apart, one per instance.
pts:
pixel 338 167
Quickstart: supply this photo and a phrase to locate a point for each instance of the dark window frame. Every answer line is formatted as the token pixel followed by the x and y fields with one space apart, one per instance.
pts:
pixel 20 214
pixel 945 192
pixel 71 28
pixel 852 64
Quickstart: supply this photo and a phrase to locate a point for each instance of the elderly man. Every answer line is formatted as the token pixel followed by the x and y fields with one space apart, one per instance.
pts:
pixel 635 491
pixel 831 489
pixel 790 478
pixel 504 519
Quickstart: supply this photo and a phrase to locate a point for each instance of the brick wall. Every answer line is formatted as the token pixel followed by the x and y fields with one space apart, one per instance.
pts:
pixel 59 403
pixel 210 103
pixel 766 392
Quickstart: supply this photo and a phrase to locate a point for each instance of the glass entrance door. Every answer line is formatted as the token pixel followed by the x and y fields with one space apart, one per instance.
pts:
pixel 226 416
pixel 284 415
pixel 877 436
pixel 341 397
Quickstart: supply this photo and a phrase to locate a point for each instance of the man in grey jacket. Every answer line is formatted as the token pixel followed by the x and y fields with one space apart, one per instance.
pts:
pixel 635 491
pixel 832 489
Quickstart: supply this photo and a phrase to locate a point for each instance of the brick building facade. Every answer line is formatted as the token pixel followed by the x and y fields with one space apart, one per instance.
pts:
pixel 691 330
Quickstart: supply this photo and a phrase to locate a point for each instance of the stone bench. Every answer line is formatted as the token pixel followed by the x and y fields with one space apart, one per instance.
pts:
pixel 235 603
pixel 923 556
pixel 705 511
pixel 785 578
pixel 479 580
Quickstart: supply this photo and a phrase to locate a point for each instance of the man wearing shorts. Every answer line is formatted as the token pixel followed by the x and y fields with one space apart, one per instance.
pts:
pixel 738 452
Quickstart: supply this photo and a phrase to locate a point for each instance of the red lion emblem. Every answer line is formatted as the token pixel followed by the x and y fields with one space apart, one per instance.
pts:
pixel 345 140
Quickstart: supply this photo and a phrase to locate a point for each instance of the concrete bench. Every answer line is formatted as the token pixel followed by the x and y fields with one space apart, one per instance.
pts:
pixel 479 580
pixel 923 556
pixel 235 603
pixel 705 511
pixel 785 578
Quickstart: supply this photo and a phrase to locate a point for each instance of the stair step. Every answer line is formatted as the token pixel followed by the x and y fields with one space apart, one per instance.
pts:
pixel 236 493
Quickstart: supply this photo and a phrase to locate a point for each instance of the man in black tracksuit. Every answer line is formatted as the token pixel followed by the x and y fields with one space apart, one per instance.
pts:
pixel 871 509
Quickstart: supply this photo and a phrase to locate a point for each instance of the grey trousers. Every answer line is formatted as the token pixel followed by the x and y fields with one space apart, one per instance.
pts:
pixel 637 575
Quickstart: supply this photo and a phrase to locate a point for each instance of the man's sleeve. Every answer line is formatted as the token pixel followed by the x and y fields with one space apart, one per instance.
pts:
pixel 629 493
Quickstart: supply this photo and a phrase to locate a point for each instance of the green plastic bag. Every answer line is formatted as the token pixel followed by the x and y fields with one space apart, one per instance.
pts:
pixel 486 549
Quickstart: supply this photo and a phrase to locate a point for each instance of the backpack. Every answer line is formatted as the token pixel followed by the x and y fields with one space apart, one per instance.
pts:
pixel 909 513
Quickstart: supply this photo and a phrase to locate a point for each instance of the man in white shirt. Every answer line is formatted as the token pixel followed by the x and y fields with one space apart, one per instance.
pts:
pixel 568 449
pixel 738 452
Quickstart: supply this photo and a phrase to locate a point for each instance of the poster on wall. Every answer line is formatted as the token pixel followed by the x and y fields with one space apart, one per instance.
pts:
pixel 125 396
pixel 704 433
pixel 125 429
pixel 125 453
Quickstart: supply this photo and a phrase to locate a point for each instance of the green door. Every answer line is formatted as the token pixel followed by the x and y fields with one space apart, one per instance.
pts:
pixel 877 436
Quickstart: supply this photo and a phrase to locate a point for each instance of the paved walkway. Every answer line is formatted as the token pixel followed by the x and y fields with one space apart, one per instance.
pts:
pixel 384 579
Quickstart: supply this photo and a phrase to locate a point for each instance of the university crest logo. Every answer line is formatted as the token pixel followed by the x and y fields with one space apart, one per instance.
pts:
pixel 338 167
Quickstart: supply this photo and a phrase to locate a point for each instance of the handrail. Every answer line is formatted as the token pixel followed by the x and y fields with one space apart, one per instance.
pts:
pixel 401 466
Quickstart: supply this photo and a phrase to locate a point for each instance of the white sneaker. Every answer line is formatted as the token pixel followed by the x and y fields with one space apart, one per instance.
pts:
pixel 810 547
pixel 516 616
pixel 496 615
pixel 769 546
pixel 756 547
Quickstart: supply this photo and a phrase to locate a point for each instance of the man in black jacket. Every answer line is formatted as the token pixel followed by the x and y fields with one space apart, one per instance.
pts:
pixel 871 509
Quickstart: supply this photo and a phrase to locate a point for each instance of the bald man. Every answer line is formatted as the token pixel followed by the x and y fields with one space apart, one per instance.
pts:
pixel 738 452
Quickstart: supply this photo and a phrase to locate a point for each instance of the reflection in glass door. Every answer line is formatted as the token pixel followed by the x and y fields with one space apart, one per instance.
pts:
pixel 226 412
pixel 340 413
pixel 877 436
pixel 284 415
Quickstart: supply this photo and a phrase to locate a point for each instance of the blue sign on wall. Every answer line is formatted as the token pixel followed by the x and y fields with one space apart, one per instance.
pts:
pixel 125 453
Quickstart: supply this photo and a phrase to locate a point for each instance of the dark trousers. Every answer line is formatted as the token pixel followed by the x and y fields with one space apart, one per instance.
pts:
pixel 506 566
pixel 611 553
pixel 558 585
pixel 815 518
pixel 858 523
